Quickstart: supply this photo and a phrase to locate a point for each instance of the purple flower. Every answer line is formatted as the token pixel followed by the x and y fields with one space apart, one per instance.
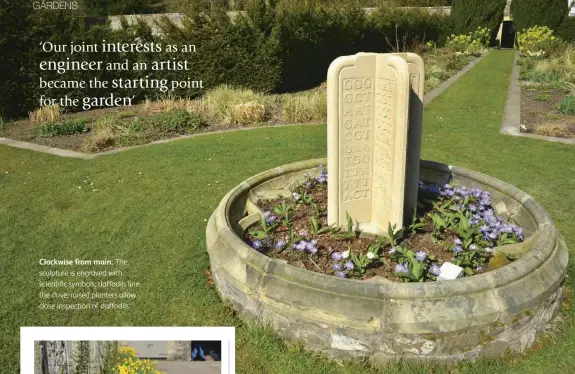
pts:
pixel 457 241
pixel 506 228
pixel 472 208
pixel 472 247
pixel 464 193
pixel 458 206
pixel 271 219
pixel 518 231
pixel 301 246
pixel 336 267
pixel 485 194
pixel 420 256
pixel 485 202
pixel 484 229
pixel 450 192
pixel 313 241
pixel 433 188
pixel 348 265
pixel 280 244
pixel 296 196
pixel 456 198
pixel 474 220
pixel 257 244
pixel 267 214
pixel 476 192
pixel 447 186
pixel 312 250
pixel 488 213
pixel 340 274
pixel 401 268
pixel 457 249
pixel 392 250
pixel 493 235
pixel 309 184
pixel 310 246
pixel 322 178
pixel 434 269
pixel 336 256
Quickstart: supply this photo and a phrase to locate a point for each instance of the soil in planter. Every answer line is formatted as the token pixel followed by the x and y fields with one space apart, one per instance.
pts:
pixel 539 114
pixel 425 242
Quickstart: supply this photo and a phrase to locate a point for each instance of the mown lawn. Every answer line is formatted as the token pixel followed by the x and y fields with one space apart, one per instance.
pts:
pixel 152 203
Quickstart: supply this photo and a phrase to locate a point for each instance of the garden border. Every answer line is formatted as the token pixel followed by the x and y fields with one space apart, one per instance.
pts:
pixel 428 98
pixel 511 124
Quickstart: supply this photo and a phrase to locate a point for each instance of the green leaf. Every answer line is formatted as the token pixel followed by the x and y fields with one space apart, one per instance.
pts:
pixel 258 234
pixel 349 223
pixel 314 224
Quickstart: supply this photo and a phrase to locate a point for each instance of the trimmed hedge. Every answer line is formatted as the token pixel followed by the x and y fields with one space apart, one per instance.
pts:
pixel 309 39
pixel 528 13
pixel 468 15
pixel 567 29
pixel 15 26
pixel 244 4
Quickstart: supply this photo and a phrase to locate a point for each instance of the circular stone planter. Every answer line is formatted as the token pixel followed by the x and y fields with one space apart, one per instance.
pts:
pixel 484 315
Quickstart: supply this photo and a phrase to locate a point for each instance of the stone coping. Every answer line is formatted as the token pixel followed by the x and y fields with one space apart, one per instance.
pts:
pixel 545 234
pixel 511 124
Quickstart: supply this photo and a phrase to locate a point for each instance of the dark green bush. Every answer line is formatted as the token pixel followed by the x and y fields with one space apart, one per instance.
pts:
pixel 567 105
pixel 567 29
pixel 528 13
pixel 115 7
pixel 468 15
pixel 14 26
pixel 235 53
pixel 67 127
pixel 310 38
pixel 175 120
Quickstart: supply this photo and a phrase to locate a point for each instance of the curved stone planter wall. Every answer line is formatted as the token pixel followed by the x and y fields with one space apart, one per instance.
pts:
pixel 484 315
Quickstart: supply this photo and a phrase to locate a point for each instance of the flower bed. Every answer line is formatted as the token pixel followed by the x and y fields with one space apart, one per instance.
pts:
pixel 453 224
pixel 484 315
pixel 548 84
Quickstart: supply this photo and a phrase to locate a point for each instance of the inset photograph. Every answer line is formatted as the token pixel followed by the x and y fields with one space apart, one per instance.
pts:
pixel 141 357
pixel 85 350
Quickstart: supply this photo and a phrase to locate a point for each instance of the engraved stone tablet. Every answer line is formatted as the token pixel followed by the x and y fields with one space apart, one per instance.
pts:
pixel 368 108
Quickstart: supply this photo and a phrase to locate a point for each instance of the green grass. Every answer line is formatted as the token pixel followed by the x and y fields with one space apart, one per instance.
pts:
pixel 156 220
